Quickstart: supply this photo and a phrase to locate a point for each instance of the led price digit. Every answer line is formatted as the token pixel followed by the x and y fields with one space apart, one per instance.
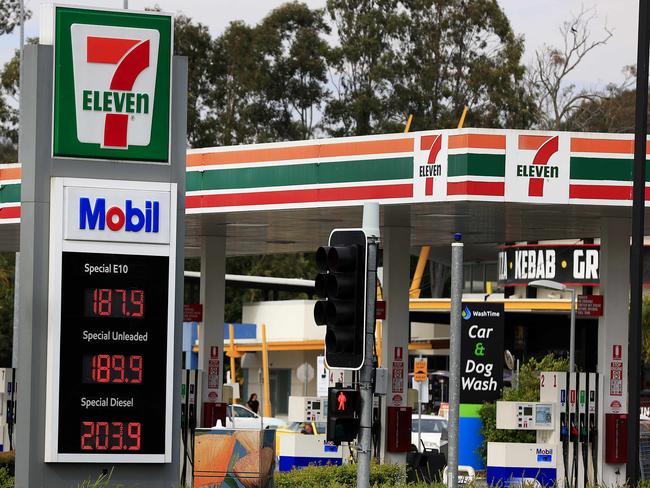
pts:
pixel 110 436
pixel 114 302
pixel 114 368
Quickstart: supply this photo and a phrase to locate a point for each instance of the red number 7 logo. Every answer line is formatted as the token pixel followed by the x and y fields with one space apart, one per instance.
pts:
pixel 131 57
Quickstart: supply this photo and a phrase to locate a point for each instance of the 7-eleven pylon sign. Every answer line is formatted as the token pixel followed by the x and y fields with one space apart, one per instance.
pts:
pixel 112 84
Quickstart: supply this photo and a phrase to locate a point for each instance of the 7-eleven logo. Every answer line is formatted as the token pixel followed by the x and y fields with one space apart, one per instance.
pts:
pixel 539 169
pixel 114 84
pixel 429 160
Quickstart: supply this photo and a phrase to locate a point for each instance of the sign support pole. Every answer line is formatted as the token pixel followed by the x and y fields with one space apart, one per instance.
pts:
pixel 454 358
pixel 370 213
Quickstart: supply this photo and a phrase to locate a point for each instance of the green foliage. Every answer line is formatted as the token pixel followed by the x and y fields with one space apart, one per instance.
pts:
pixel 527 391
pixel 194 41
pixel 10 15
pixel 102 481
pixel 363 63
pixel 7 269
pixel 458 53
pixel 8 462
pixel 358 67
pixel 645 323
pixel 6 478
pixel 429 58
pixel 293 42
pixel 9 95
pixel 384 475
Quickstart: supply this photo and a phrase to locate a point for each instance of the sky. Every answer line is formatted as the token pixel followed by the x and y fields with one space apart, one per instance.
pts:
pixel 537 20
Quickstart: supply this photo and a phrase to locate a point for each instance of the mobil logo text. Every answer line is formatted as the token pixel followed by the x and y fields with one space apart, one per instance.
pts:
pixel 95 210
pixel 94 215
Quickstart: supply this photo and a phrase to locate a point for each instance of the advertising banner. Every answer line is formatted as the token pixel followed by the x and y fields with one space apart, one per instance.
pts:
pixel 481 352
pixel 576 264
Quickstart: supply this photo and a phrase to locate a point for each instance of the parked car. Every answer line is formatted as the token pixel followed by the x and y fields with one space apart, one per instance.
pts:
pixel 240 417
pixel 434 432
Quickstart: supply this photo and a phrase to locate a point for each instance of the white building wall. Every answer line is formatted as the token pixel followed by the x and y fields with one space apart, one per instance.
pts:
pixel 286 320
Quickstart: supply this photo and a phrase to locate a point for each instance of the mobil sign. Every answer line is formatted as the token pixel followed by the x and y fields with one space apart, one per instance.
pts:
pixel 112 84
pixel 117 214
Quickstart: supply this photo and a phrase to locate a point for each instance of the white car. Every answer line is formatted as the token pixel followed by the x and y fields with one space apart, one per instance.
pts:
pixel 434 432
pixel 240 417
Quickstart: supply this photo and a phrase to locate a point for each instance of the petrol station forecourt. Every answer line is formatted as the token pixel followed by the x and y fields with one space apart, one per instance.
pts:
pixel 287 197
pixel 490 186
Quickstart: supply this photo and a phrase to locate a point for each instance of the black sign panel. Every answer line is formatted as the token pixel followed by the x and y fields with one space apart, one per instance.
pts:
pixel 519 265
pixel 481 360
pixel 112 383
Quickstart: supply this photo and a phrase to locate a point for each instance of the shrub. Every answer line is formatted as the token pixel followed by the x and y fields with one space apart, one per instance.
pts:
pixel 527 391
pixel 384 475
pixel 8 461
pixel 6 478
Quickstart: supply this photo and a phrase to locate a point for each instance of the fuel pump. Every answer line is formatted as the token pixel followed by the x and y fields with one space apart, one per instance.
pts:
pixel 566 451
pixel 525 463
pixel 583 401
pixel 593 424
pixel 188 421
pixel 573 430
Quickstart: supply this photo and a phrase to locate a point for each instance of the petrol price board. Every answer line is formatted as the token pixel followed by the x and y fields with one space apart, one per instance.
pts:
pixel 110 343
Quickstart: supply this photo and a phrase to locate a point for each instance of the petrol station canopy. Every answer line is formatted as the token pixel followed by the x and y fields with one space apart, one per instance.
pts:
pixel 491 185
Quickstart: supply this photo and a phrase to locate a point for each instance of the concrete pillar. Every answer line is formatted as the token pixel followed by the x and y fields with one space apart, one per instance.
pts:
pixel 213 288
pixel 613 332
pixel 396 241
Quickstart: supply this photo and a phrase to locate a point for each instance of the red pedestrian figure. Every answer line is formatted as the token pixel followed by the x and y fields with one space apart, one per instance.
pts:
pixel 342 399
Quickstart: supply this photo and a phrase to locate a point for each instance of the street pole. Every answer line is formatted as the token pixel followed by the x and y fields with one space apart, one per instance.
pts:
pixel 572 340
pixel 420 412
pixel 371 227
pixel 636 250
pixel 454 358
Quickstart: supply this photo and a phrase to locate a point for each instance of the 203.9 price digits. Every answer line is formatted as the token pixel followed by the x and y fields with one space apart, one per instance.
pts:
pixel 110 436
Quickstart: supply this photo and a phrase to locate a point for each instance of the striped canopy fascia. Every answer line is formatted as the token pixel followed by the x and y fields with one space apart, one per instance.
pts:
pixel 434 166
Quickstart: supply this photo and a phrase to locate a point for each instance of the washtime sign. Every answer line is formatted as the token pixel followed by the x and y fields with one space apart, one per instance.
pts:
pixel 481 352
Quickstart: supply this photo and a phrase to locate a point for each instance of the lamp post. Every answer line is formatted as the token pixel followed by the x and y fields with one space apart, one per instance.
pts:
pixel 554 285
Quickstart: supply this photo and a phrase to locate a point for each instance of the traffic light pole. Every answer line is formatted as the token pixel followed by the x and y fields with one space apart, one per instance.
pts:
pixel 365 430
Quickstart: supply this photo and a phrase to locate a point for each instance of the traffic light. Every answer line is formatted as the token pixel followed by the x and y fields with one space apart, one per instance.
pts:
pixel 342 414
pixel 342 285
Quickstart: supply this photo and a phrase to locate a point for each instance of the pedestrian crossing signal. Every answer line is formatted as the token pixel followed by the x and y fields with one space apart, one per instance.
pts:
pixel 343 414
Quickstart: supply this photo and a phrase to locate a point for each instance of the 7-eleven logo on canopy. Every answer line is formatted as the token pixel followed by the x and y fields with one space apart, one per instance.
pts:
pixel 537 168
pixel 430 167
pixel 114 82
